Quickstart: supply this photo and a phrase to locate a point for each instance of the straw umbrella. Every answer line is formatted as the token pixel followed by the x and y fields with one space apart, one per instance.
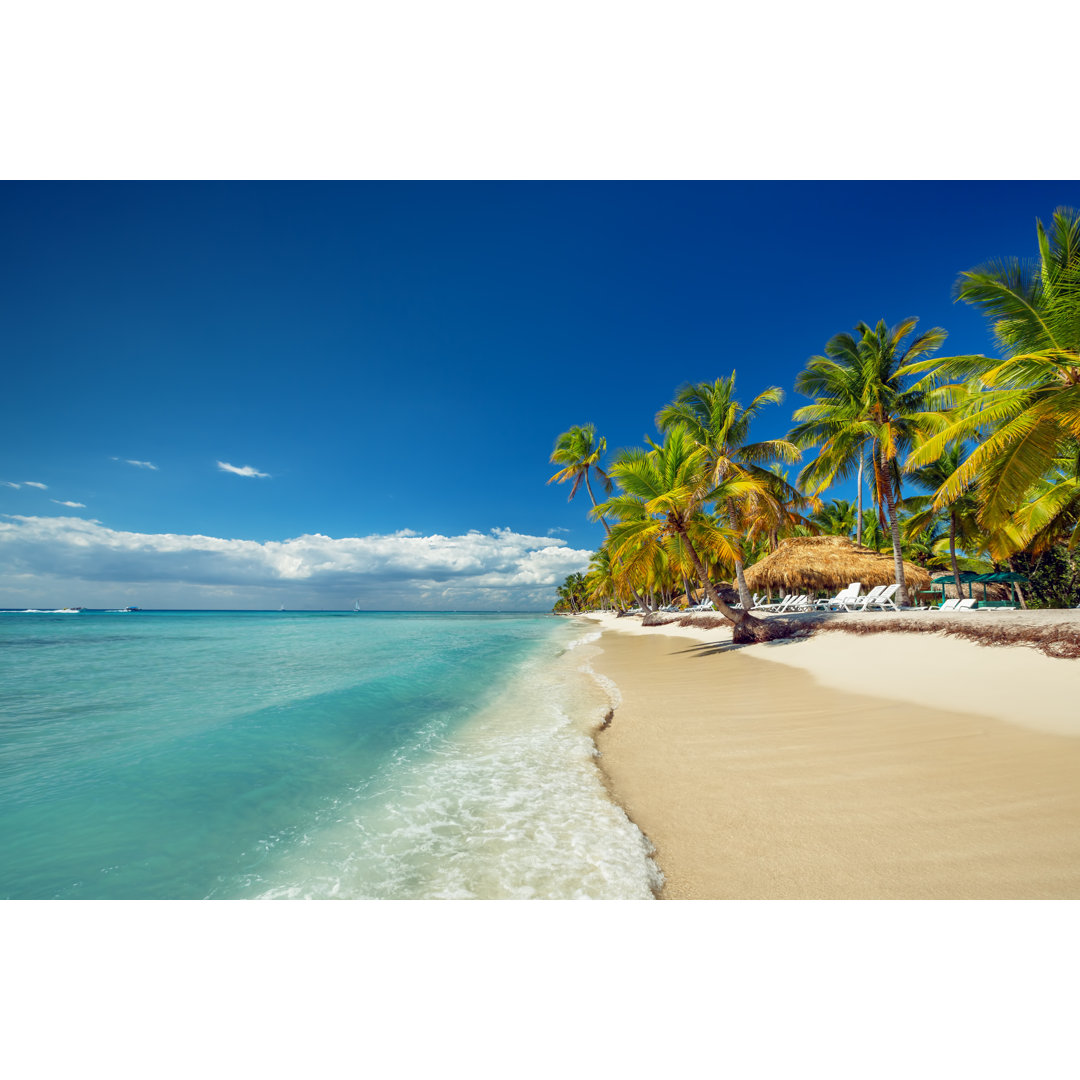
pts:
pixel 827 563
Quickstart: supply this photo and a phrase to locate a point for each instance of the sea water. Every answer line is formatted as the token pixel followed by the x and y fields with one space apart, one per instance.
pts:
pixel 185 755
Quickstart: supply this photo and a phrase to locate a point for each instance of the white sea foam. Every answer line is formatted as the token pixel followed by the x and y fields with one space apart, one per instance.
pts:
pixel 512 806
pixel 585 639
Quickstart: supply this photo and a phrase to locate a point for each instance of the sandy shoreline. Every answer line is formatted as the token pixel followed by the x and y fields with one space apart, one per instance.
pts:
pixel 847 767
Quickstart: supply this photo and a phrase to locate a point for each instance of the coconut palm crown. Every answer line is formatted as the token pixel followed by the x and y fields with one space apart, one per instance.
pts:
pixel 1027 413
pixel 579 451
pixel 863 398
pixel 719 424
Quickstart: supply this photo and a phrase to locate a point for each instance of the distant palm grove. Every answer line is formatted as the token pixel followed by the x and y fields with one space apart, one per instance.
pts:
pixel 970 463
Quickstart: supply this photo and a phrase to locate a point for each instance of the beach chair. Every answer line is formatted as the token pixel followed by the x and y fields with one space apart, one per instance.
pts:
pixel 778 605
pixel 949 605
pixel 970 604
pixel 841 599
pixel 883 600
pixel 860 602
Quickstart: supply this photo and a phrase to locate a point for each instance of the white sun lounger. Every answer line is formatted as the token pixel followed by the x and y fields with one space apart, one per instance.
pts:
pixel 842 599
pixel 949 605
pixel 860 602
pixel 778 605
pixel 797 603
pixel 883 600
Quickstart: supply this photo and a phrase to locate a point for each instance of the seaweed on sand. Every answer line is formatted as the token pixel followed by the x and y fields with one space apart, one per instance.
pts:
pixel 1060 641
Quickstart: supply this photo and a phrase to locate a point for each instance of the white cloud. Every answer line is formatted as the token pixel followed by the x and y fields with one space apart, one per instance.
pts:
pixel 556 529
pixel 241 470
pixel 499 569
pixel 138 464
pixel 8 483
pixel 64 502
pixel 34 483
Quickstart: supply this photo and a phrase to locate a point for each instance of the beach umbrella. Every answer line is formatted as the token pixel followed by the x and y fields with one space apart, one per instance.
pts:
pixel 827 564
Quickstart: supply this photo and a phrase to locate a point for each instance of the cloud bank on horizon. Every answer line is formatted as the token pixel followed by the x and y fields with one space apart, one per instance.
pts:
pixel 72 560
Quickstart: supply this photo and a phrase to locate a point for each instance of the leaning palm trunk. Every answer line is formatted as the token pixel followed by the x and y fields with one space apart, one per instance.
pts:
pixel 745 598
pixel 894 528
pixel 746 629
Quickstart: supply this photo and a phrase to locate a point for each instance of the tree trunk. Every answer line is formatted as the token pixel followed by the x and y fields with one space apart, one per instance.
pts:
pixel 894 528
pixel 952 552
pixel 746 629
pixel 745 598
pixel 1019 591
pixel 858 519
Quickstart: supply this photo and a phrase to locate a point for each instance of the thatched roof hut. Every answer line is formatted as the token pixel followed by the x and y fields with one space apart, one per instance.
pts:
pixel 828 563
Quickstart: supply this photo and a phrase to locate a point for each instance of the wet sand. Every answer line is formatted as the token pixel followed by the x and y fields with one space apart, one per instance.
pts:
pixel 755 780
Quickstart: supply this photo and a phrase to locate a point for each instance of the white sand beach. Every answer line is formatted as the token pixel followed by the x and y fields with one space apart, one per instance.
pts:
pixel 847 766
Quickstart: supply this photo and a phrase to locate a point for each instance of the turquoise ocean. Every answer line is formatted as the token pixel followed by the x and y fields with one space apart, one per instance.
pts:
pixel 278 755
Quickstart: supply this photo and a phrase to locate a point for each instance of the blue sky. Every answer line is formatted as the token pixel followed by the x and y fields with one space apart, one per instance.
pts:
pixel 398 358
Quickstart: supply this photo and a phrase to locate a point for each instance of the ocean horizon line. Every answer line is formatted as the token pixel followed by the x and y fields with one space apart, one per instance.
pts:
pixel 282 611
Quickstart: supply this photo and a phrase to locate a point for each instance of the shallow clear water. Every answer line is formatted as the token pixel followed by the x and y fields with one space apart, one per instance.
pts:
pixel 248 754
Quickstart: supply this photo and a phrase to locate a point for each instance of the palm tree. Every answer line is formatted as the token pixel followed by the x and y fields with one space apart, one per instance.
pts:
pixel 579 451
pixel 866 401
pixel 837 388
pixel 663 494
pixel 572 593
pixel 1052 513
pixel 718 423
pixel 1027 415
pixel 838 517
pixel 874 535
pixel 601 586
pixel 961 512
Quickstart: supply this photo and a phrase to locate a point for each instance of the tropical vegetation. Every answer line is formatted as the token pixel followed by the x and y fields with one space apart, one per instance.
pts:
pixel 972 463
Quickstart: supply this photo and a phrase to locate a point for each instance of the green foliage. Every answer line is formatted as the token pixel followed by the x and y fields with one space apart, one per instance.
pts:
pixel 836 518
pixel 1053 575
pixel 1023 411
